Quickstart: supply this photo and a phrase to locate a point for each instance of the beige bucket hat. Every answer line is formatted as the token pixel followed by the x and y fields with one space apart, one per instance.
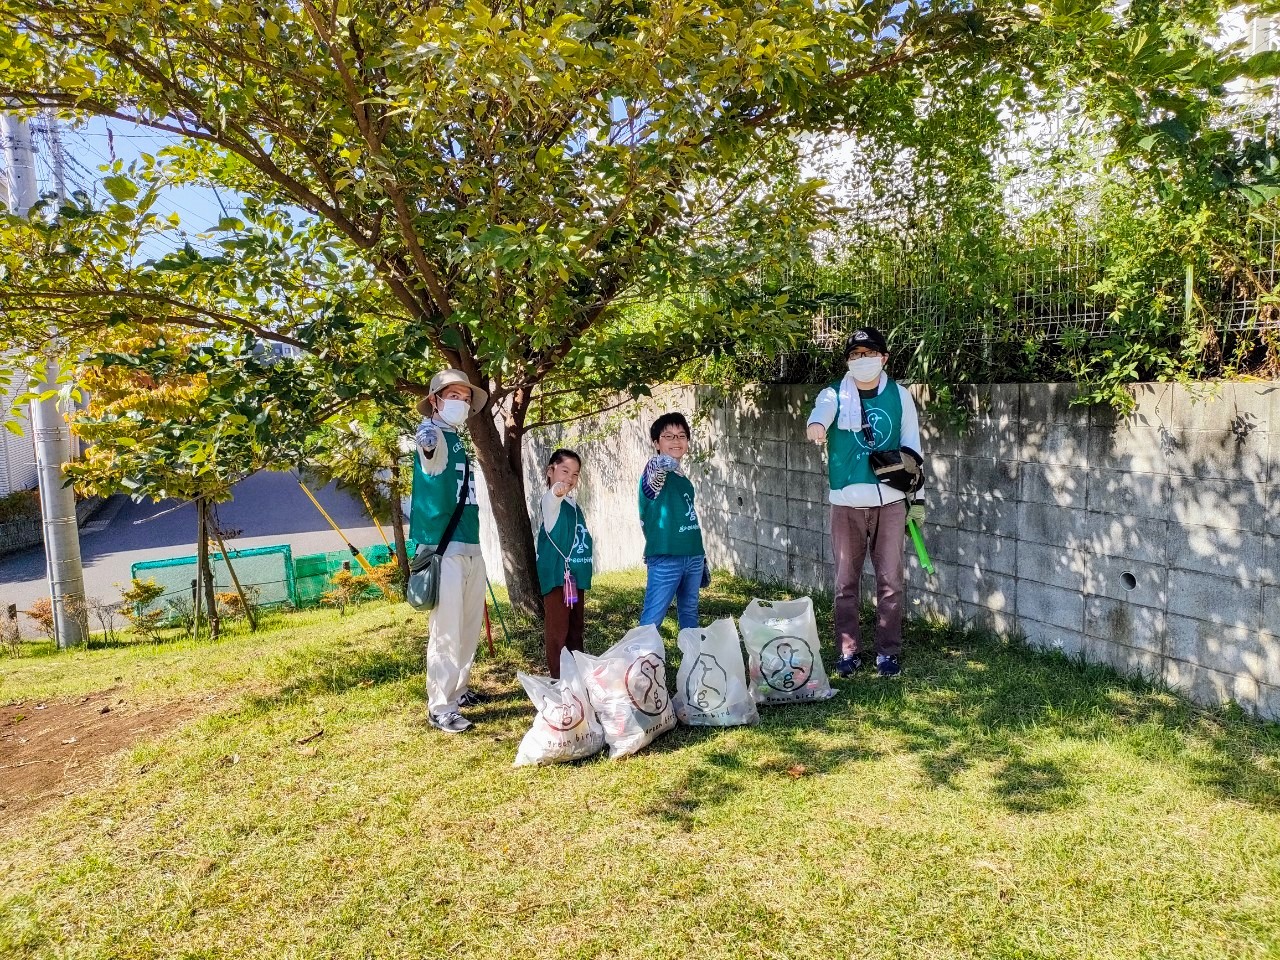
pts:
pixel 445 378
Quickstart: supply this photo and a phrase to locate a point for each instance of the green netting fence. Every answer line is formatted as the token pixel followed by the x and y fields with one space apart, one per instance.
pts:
pixel 272 574
pixel 312 574
pixel 267 570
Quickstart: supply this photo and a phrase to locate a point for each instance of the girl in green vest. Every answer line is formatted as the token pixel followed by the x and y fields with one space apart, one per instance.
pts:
pixel 672 534
pixel 564 559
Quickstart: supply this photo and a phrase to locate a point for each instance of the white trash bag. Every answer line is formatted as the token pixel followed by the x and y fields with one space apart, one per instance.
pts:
pixel 566 727
pixel 784 656
pixel 711 684
pixel 627 685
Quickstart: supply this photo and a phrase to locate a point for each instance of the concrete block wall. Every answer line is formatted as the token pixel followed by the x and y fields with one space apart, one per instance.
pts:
pixel 1150 542
pixel 18 535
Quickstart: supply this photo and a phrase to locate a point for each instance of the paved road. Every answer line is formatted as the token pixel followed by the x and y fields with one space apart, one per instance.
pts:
pixel 268 508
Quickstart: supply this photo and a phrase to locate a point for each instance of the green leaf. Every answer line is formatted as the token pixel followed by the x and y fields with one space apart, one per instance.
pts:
pixel 121 188
pixel 1262 65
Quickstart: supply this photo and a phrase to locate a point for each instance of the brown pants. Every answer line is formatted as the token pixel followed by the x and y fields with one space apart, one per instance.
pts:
pixel 853 529
pixel 562 626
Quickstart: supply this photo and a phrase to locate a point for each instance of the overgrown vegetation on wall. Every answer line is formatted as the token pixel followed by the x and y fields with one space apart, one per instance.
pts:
pixel 1049 247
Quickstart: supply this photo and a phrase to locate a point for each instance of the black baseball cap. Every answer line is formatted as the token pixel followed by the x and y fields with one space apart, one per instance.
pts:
pixel 868 337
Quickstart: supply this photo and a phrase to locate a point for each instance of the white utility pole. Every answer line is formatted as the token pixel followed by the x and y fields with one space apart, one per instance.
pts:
pixel 49 426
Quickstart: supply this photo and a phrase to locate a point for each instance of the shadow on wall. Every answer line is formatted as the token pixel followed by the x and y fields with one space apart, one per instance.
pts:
pixel 614 448
pixel 1150 541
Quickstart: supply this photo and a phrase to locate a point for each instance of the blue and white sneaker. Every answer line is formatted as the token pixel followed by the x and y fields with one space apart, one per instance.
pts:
pixel 887 666
pixel 848 665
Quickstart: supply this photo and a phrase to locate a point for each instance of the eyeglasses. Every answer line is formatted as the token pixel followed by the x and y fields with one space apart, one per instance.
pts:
pixel 674 436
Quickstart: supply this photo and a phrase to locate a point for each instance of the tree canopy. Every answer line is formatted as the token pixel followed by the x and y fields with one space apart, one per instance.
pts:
pixel 502 186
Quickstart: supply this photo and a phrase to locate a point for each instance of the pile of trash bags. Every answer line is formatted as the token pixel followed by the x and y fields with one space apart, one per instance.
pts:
pixel 620 699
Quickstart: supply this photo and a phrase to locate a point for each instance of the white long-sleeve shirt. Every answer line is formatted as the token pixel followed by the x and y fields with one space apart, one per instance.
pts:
pixel 551 507
pixel 868 494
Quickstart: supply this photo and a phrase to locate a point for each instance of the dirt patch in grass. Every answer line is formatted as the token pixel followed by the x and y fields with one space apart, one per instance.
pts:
pixel 49 750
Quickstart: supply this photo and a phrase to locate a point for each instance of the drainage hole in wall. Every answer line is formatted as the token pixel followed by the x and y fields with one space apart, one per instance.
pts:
pixel 739 501
pixel 1128 580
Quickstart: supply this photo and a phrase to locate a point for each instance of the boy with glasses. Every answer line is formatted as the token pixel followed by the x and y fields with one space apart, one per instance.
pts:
pixel 673 549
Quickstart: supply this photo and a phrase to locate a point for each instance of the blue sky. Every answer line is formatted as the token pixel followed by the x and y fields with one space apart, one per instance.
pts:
pixel 89 147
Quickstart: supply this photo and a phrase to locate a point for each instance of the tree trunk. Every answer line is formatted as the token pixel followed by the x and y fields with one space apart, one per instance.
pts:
pixel 206 568
pixel 397 527
pixel 202 546
pixel 504 475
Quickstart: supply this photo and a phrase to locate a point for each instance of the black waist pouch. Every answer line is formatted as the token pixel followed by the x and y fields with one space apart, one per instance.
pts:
pixel 901 469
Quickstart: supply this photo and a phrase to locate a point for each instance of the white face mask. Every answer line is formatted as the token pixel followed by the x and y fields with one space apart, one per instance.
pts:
pixel 455 412
pixel 866 369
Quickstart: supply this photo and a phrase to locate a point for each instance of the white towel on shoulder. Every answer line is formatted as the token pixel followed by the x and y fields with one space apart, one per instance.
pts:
pixel 850 405
pixel 433 463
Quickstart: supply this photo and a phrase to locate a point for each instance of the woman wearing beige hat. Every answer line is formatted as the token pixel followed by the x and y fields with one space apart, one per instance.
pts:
pixel 443 479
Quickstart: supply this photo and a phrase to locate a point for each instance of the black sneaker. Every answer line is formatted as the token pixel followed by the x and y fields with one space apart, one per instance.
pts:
pixel 848 666
pixel 470 699
pixel 888 666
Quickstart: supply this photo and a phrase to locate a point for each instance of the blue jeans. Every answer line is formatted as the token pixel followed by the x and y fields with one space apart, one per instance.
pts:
pixel 672 578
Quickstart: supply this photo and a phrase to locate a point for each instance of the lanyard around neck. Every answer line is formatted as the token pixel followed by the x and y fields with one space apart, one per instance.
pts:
pixel 552 539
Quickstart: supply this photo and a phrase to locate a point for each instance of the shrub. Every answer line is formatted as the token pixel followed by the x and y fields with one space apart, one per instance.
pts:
pixel 41 614
pixel 386 577
pixel 77 608
pixel 10 637
pixel 231 606
pixel 181 612
pixel 141 595
pixel 346 588
pixel 104 613
pixel 20 505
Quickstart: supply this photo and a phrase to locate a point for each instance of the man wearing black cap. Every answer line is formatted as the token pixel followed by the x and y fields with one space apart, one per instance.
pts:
pixel 862 412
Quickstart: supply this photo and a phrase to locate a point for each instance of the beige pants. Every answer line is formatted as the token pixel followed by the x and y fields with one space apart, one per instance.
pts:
pixel 455 631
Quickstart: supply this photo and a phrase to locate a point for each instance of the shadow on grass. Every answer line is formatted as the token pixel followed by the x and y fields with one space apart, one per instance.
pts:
pixel 345 667
pixel 967 699
pixel 125 638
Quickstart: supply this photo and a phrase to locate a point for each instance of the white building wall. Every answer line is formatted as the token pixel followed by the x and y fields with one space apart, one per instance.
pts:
pixel 17 454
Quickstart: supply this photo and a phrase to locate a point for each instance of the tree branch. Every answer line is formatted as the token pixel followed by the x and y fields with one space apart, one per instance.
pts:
pixel 217 320
pixel 581 416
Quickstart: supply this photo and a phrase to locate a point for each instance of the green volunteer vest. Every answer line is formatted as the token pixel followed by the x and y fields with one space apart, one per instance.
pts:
pixel 670 522
pixel 570 534
pixel 847 450
pixel 435 498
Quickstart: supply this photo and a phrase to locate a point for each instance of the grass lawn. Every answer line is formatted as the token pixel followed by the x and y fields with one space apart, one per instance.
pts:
pixel 992 802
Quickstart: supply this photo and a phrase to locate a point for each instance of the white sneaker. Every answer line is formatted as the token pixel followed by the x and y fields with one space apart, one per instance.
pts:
pixel 452 722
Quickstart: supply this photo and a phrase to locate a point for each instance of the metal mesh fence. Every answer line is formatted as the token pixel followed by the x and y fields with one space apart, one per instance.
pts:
pixel 313 573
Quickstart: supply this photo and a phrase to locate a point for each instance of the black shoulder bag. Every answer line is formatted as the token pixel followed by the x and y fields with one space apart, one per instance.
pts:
pixel 901 469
